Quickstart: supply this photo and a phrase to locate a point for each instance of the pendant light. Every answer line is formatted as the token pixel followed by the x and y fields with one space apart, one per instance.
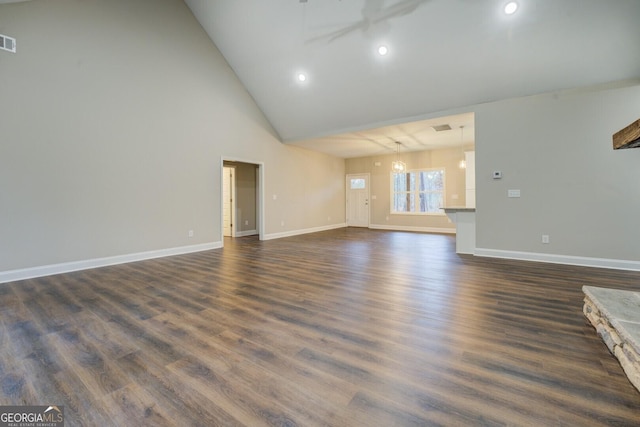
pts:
pixel 463 163
pixel 398 166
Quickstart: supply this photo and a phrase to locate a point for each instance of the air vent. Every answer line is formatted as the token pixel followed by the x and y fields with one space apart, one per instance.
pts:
pixel 7 43
pixel 440 128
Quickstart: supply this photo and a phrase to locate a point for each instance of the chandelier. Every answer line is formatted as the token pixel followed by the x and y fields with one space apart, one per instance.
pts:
pixel 398 166
pixel 463 163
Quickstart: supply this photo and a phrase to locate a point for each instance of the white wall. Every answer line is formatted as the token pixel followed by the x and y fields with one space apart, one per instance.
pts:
pixel 114 118
pixel 557 149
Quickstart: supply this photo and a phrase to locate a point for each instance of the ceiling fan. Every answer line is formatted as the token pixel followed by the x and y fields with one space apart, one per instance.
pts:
pixel 375 17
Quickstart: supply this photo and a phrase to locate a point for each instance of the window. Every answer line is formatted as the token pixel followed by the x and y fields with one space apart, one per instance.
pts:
pixel 419 191
pixel 357 184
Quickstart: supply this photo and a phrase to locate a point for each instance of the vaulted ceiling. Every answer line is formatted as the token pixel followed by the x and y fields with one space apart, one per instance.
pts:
pixel 442 54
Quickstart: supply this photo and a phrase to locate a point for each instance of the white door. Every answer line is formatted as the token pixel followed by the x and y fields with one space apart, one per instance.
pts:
pixel 228 197
pixel 358 200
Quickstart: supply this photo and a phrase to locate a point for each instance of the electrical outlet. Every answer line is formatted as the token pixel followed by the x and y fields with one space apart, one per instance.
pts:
pixel 190 233
pixel 282 223
pixel 246 222
pixel 545 239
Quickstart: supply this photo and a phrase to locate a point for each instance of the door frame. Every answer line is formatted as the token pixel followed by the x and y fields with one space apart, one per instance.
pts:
pixel 232 212
pixel 347 187
pixel 260 220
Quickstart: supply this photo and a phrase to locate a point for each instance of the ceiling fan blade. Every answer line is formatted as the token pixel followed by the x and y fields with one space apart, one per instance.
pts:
pixel 373 13
pixel 339 33
pixel 401 8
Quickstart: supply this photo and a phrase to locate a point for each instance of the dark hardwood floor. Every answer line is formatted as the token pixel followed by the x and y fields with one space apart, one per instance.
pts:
pixel 350 327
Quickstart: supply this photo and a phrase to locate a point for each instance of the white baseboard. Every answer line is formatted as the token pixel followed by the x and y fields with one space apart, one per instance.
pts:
pixel 303 231
pixel 412 228
pixel 246 233
pixel 67 267
pixel 560 259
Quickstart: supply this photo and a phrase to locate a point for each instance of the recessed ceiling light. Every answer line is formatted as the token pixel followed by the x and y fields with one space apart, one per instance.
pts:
pixel 302 77
pixel 510 8
pixel 383 50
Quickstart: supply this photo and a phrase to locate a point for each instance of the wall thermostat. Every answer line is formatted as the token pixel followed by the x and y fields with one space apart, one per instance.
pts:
pixel 497 174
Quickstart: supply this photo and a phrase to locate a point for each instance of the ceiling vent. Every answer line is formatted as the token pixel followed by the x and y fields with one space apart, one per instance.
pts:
pixel 440 128
pixel 7 43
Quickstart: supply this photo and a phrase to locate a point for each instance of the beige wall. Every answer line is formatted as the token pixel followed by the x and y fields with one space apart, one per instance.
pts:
pixel 381 188
pixel 114 118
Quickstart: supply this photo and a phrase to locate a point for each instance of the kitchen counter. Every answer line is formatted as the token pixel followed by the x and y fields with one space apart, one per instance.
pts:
pixel 465 220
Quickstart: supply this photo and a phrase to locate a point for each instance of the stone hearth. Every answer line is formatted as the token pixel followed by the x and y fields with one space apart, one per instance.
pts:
pixel 616 316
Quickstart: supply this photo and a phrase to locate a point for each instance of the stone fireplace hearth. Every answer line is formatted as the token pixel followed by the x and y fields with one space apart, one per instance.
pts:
pixel 616 316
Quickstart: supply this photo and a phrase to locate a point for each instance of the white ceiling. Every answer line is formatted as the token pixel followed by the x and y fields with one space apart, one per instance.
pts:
pixel 444 54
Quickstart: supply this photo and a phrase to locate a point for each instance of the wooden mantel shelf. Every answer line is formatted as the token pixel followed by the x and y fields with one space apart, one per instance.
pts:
pixel 628 137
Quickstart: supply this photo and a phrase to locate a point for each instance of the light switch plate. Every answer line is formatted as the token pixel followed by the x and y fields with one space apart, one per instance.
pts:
pixel 513 193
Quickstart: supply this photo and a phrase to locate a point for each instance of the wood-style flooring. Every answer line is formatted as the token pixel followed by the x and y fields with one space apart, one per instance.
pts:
pixel 350 327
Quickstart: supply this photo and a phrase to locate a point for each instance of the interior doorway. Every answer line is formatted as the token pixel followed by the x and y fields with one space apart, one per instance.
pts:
pixel 242 210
